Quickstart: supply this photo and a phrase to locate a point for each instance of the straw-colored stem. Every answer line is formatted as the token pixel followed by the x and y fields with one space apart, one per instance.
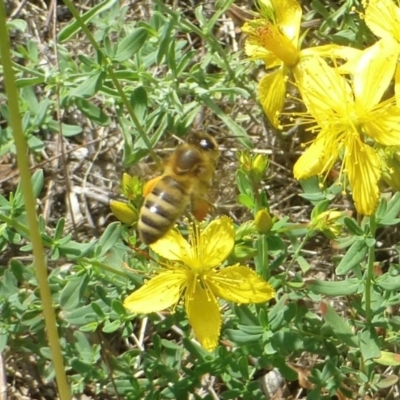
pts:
pixel 38 252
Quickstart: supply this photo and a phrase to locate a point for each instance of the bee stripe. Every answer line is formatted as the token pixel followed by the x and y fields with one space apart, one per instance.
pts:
pixel 153 207
pixel 162 207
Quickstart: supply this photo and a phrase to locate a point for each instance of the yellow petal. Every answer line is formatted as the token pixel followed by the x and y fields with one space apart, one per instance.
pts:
pixel 288 18
pixel 317 159
pixel 204 315
pixel 363 169
pixel 257 52
pixel 383 126
pixel 383 18
pixel 374 72
pixel 216 242
pixel 397 85
pixel 324 91
pixel 159 293
pixel 272 92
pixel 268 35
pixel 173 247
pixel 240 285
pixel 331 51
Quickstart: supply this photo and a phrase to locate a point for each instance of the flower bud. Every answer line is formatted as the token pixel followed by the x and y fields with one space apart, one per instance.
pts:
pixel 391 168
pixel 124 212
pixel 326 222
pixel 131 187
pixel 253 165
pixel 263 222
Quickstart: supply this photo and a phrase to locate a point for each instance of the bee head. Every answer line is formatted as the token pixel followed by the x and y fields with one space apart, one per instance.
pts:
pixel 203 141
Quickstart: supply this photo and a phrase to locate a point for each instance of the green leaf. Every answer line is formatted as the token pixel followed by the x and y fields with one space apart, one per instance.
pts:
pixel 332 288
pixel 25 82
pixel 246 201
pixel 93 112
pixel 240 337
pixel 388 358
pixel 83 347
pixel 282 313
pixel 243 367
pixel 369 344
pixel 236 130
pixel 388 282
pixel 18 24
pixel 138 102
pixel 35 144
pixel 75 26
pixel 392 211
pixel 59 228
pixel 339 326
pixel 8 285
pixel 110 236
pixel 303 263
pixel 288 341
pixel 80 366
pixel 386 382
pixel 353 257
pixel 67 130
pixel 165 40
pixel 37 182
pixel 73 249
pixel 71 295
pixel 81 316
pixel 98 310
pixel 312 190
pixel 118 307
pixel 41 113
pixel 110 327
pixel 352 226
pixel 131 44
pixel 89 86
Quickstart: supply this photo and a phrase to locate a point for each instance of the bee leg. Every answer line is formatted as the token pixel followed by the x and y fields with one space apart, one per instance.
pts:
pixel 149 185
pixel 200 207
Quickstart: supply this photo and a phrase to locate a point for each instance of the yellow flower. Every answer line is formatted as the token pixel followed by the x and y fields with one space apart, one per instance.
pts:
pixel 383 18
pixel 348 115
pixel 194 275
pixel 274 38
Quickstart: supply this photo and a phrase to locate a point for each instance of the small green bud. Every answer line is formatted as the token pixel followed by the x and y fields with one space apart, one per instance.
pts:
pixel 327 223
pixel 254 166
pixel 242 252
pixel 131 187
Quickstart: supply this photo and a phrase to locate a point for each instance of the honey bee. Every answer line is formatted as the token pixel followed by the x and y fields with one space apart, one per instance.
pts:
pixel 186 180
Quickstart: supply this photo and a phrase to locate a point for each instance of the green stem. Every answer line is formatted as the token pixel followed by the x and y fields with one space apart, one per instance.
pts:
pixel 37 247
pixel 370 275
pixel 262 261
pixel 296 254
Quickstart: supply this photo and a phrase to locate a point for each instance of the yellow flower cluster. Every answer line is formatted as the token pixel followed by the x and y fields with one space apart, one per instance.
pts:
pixel 344 103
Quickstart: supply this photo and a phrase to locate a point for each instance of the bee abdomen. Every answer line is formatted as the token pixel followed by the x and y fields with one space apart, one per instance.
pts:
pixel 161 208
